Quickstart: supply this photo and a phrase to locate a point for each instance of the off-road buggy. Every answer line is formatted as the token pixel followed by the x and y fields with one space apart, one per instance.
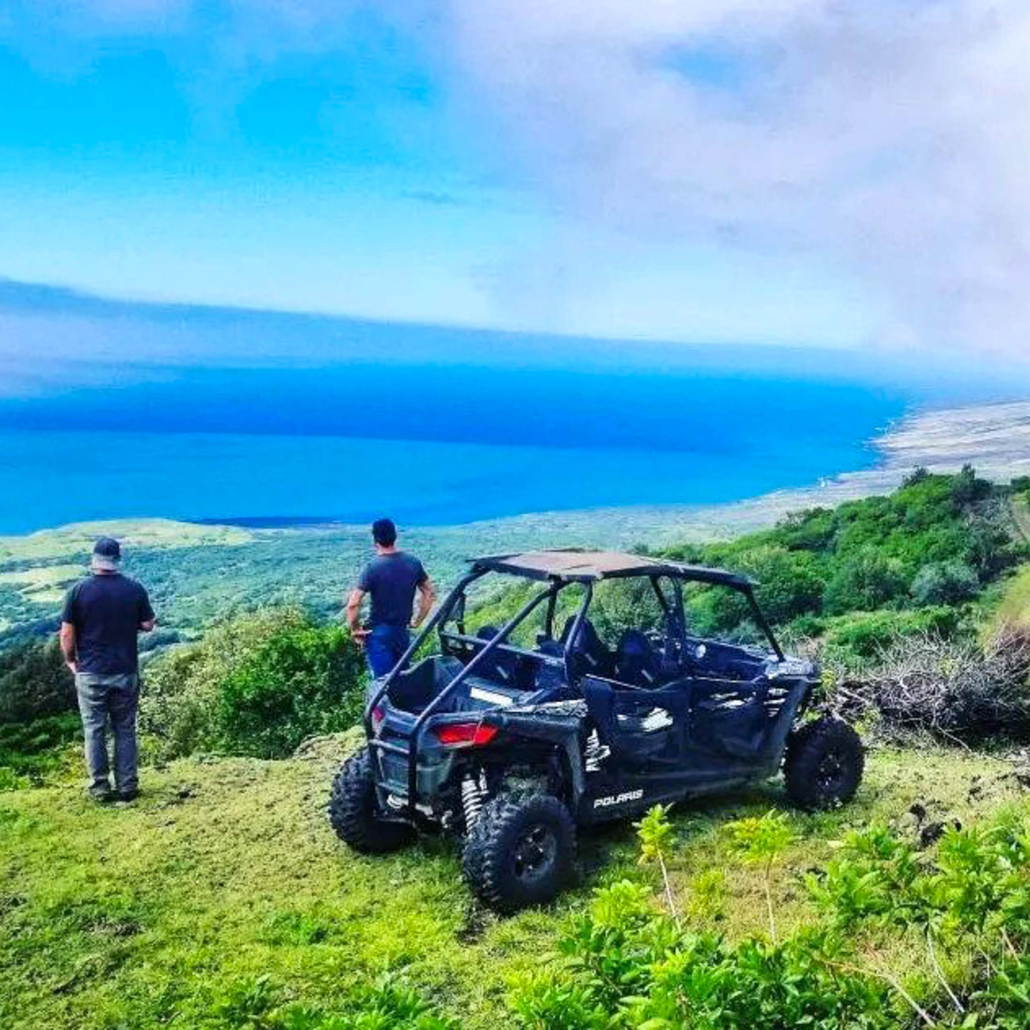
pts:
pixel 515 745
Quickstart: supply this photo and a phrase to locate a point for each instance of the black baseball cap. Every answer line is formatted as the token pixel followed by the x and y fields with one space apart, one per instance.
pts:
pixel 107 553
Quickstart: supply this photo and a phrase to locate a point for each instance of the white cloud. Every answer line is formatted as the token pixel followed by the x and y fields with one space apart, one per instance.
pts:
pixel 888 140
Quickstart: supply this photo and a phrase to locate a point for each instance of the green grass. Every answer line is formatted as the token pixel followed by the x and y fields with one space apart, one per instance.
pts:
pixel 1014 607
pixel 171 911
pixel 78 538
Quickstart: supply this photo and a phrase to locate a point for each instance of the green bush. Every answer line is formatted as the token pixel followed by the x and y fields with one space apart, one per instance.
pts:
pixel 255 685
pixel 303 680
pixel 853 639
pixel 866 555
pixel 948 582
pixel 960 918
pixel 33 752
pixel 627 967
pixel 34 681
pixel 864 582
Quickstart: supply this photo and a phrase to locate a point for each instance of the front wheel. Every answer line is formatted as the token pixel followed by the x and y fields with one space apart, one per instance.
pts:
pixel 353 811
pixel 824 764
pixel 520 851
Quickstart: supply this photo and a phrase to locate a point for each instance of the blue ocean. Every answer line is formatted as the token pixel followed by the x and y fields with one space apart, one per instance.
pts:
pixel 431 426
pixel 267 449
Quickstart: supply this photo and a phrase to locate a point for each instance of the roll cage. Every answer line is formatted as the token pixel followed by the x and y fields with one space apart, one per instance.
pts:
pixel 556 571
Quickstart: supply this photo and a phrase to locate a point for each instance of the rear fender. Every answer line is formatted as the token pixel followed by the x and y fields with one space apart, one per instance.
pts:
pixel 562 732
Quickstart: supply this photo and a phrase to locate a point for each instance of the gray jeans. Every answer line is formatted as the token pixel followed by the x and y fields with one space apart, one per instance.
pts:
pixel 114 698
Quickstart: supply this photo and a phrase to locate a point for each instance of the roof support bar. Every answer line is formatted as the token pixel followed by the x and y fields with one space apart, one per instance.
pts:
pixel 466 671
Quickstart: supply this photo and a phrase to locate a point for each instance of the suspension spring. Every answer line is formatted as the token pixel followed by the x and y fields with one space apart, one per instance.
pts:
pixel 472 797
pixel 595 752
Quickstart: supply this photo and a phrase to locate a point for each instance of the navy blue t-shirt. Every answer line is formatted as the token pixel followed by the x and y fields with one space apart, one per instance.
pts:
pixel 391 580
pixel 106 612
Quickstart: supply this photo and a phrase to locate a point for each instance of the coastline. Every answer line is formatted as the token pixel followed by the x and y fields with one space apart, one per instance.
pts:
pixel 200 572
pixel 995 438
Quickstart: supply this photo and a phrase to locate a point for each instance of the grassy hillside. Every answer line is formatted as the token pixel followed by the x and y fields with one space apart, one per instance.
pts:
pixel 1014 606
pixel 222 899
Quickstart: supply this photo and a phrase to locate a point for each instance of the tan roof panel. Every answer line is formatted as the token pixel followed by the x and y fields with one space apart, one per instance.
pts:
pixel 577 563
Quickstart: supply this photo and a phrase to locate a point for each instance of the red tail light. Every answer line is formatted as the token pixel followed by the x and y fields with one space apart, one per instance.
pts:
pixel 465 734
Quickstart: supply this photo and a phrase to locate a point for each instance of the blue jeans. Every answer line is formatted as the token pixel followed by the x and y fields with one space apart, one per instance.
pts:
pixel 114 698
pixel 384 647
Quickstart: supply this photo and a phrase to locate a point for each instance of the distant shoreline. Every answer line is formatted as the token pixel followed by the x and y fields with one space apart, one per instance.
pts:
pixel 995 438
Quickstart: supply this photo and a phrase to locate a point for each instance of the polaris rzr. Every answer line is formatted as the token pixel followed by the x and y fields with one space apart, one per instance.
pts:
pixel 514 742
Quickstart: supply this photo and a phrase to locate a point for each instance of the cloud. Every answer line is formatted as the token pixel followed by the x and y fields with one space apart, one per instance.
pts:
pixel 887 140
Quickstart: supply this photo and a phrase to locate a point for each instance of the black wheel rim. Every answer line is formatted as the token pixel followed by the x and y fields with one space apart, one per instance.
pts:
pixel 534 854
pixel 831 772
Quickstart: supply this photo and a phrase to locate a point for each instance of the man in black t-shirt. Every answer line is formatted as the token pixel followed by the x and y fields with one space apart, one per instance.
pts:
pixel 101 618
pixel 390 579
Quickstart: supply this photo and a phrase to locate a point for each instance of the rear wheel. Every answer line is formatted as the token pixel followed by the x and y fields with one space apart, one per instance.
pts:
pixel 353 811
pixel 520 851
pixel 824 764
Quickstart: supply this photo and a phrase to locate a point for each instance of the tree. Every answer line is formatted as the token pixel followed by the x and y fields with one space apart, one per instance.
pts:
pixel 866 581
pixel 948 582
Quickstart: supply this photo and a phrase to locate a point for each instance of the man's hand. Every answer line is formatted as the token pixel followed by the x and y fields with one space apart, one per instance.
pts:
pixel 67 641
pixel 353 615
pixel 426 600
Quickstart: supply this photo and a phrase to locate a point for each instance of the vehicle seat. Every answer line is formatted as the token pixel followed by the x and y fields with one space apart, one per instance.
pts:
pixel 497 665
pixel 549 676
pixel 635 660
pixel 588 650
pixel 638 726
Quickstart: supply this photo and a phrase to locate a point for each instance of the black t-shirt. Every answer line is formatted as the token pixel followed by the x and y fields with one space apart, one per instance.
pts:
pixel 106 612
pixel 391 580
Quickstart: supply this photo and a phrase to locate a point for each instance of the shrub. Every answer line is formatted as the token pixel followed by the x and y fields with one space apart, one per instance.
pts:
pixel 864 582
pixel 303 680
pixel 34 752
pixel 853 640
pixel 948 582
pixel 34 681
pixel 257 685
pixel 790 583
pixel 963 912
pixel 626 967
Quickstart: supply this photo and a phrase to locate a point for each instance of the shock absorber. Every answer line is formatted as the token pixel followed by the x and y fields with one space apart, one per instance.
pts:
pixel 471 800
pixel 595 752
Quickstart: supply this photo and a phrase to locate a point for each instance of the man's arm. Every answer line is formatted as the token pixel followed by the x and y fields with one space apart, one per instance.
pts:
pixel 147 620
pixel 426 600
pixel 67 638
pixel 354 615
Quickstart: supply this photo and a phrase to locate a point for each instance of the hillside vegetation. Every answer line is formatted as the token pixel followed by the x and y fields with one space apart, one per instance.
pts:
pixel 858 575
pixel 222 899
pixel 932 558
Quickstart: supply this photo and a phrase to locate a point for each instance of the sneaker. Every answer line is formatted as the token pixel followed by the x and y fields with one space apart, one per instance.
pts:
pixel 128 795
pixel 101 795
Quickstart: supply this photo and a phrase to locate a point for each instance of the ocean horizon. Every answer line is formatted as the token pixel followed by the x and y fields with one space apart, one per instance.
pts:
pixel 719 449
pixel 433 446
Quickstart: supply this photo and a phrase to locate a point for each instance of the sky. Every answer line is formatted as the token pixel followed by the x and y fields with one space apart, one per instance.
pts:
pixel 841 174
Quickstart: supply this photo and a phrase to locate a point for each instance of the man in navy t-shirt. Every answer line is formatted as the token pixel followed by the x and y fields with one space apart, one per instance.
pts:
pixel 101 618
pixel 390 580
